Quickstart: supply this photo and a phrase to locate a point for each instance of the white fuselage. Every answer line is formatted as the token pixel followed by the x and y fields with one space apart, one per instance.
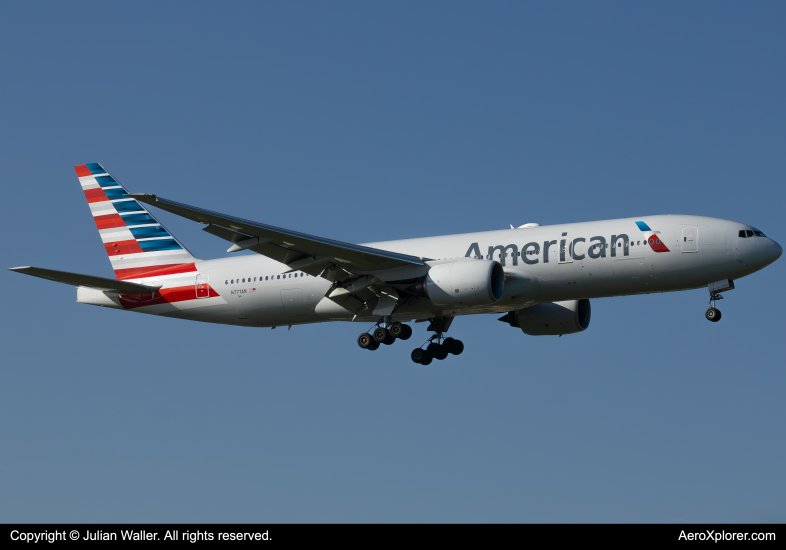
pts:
pixel 542 264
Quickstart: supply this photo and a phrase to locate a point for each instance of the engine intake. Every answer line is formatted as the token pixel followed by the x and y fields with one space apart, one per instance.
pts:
pixel 552 318
pixel 463 284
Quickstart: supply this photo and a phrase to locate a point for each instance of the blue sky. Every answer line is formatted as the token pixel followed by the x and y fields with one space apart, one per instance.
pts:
pixel 374 121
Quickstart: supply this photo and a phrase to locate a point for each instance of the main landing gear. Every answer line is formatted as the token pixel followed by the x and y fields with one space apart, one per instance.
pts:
pixel 438 348
pixel 384 335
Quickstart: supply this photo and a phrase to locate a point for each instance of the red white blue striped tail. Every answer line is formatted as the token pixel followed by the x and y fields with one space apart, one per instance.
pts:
pixel 137 244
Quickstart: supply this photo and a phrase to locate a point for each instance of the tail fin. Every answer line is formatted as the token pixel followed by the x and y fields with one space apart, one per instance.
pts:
pixel 137 244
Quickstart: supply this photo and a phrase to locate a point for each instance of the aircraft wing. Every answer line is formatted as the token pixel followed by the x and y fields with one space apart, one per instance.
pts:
pixel 299 251
pixel 77 279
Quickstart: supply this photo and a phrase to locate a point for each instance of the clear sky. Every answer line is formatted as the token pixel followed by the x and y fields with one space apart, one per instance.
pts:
pixel 372 121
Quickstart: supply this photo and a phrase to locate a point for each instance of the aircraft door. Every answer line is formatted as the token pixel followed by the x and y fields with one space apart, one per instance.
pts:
pixel 690 239
pixel 293 302
pixel 237 303
pixel 202 288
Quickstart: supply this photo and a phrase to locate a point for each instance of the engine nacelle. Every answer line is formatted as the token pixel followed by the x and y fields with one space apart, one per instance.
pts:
pixel 463 283
pixel 552 318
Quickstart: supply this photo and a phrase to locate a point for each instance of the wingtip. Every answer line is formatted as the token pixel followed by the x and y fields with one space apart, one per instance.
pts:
pixel 20 268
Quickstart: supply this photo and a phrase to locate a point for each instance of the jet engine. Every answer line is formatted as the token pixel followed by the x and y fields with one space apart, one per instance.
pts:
pixel 552 318
pixel 463 283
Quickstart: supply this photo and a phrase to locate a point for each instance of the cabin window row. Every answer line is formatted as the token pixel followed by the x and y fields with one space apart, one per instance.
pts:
pixel 266 278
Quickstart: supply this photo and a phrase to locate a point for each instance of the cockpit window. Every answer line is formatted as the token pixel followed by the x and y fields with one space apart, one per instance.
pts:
pixel 742 234
pixel 759 234
pixel 749 233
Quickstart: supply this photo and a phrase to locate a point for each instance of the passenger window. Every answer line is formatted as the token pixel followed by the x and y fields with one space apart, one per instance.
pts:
pixel 266 277
pixel 233 281
pixel 278 276
pixel 226 282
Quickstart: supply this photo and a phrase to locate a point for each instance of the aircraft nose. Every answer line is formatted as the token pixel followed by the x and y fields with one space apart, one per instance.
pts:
pixel 774 251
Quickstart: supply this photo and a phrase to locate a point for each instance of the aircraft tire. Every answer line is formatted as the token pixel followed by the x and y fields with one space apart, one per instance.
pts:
pixel 437 351
pixel 380 334
pixel 713 314
pixel 453 346
pixel 364 340
pixel 419 355
pixel 406 333
pixel 396 329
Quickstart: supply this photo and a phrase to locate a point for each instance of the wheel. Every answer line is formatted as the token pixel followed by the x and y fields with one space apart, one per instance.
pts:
pixel 373 345
pixel 396 330
pixel 437 351
pixel 380 334
pixel 713 314
pixel 453 346
pixel 364 340
pixel 406 333
pixel 389 340
pixel 421 356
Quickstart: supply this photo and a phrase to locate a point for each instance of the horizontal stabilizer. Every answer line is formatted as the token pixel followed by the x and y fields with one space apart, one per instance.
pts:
pixel 77 279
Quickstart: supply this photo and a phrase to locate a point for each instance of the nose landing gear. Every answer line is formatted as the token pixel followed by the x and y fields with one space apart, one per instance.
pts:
pixel 713 314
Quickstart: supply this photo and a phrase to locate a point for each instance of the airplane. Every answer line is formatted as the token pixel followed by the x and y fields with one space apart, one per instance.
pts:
pixel 541 277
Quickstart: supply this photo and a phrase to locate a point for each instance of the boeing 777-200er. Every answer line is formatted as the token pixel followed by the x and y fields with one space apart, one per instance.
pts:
pixel 540 277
